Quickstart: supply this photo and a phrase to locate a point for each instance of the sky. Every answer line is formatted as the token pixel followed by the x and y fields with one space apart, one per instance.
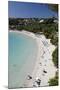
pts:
pixel 29 10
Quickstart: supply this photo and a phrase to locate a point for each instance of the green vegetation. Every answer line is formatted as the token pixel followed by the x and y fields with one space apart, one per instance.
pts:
pixel 54 81
pixel 55 57
pixel 53 7
pixel 54 41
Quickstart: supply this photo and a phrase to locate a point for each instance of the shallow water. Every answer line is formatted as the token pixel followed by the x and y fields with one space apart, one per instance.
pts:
pixel 22 58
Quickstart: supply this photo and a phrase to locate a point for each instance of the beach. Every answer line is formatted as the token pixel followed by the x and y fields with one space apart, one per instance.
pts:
pixel 44 68
pixel 44 62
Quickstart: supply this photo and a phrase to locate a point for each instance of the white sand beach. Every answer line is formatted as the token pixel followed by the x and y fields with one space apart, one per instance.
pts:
pixel 43 62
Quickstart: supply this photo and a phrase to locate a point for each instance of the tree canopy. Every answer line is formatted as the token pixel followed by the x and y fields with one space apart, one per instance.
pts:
pixel 53 7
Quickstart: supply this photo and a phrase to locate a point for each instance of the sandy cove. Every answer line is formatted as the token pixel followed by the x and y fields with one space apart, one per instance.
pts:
pixel 43 62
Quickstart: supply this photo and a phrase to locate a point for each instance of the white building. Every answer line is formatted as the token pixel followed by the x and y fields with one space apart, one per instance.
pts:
pixel 41 21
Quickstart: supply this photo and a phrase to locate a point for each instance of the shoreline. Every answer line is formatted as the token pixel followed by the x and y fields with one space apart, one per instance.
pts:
pixel 43 61
pixel 30 34
pixel 45 64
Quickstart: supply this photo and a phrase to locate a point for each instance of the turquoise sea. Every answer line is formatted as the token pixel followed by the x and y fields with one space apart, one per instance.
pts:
pixel 22 58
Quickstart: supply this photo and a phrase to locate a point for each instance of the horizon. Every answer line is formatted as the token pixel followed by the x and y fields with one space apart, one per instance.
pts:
pixel 29 10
